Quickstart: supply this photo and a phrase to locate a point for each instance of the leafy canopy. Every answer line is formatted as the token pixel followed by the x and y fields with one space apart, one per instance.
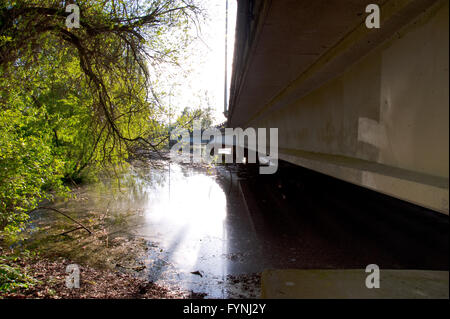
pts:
pixel 77 98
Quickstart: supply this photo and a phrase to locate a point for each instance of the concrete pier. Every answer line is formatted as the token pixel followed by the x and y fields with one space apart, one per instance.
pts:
pixel 368 106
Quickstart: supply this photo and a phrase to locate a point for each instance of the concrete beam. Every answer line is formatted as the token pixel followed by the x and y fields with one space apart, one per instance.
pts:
pixel 350 284
pixel 369 106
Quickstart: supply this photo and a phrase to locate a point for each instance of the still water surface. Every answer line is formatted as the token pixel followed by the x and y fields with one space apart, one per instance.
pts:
pixel 192 221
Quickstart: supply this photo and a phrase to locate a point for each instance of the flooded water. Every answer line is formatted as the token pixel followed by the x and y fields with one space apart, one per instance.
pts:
pixel 184 217
pixel 184 228
pixel 190 229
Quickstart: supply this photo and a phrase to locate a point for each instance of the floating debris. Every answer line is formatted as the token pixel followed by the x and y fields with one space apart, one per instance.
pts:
pixel 198 273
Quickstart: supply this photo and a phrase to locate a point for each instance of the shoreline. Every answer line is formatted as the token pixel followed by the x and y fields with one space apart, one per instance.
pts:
pixel 49 276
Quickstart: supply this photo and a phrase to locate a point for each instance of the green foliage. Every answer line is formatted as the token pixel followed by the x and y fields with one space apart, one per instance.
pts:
pixel 188 115
pixel 72 99
pixel 28 167
pixel 12 276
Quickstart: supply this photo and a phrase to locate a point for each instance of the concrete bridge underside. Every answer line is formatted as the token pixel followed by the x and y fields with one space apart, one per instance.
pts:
pixel 368 106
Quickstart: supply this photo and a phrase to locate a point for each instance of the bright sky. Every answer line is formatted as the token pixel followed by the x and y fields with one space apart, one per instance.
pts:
pixel 206 62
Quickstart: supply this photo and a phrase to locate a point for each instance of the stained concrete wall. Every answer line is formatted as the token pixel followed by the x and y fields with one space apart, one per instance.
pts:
pixel 384 122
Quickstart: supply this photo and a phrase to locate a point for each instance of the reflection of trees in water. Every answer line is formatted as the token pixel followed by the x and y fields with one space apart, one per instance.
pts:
pixel 121 196
pixel 130 182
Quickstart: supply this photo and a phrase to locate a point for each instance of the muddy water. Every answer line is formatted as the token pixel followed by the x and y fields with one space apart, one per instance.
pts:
pixel 181 227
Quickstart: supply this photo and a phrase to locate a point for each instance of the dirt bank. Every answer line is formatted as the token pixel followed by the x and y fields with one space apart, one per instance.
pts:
pixel 50 281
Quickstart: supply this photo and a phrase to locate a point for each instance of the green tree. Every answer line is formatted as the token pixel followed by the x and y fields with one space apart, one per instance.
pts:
pixel 77 98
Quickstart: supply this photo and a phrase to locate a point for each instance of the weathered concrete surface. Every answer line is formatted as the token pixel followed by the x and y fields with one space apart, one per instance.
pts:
pixel 350 284
pixel 366 106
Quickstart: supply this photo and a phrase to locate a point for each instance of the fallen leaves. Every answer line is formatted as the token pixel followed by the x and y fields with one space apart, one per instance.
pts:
pixel 94 283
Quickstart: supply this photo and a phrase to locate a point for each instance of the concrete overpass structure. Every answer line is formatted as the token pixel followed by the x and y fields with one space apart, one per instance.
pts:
pixel 368 106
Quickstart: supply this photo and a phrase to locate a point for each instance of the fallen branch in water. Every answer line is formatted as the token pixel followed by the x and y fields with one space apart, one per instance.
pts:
pixel 65 215
pixel 69 231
